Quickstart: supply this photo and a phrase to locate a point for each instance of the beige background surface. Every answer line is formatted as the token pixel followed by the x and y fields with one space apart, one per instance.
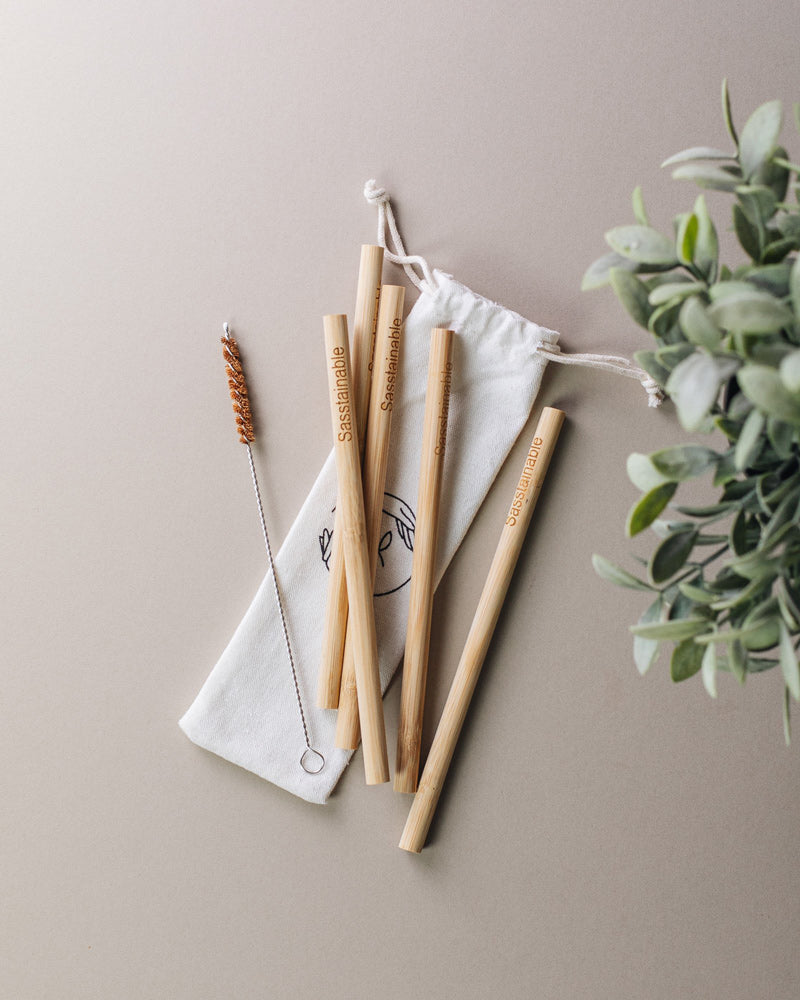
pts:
pixel 169 165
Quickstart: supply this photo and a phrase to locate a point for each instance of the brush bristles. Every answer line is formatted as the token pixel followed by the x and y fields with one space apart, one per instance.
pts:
pixel 238 389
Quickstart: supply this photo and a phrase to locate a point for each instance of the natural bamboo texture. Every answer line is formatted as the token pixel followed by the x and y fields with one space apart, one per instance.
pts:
pixel 364 326
pixel 423 566
pixel 376 459
pixel 354 545
pixel 481 631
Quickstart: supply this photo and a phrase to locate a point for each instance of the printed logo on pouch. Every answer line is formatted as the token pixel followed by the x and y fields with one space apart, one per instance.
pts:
pixel 524 482
pixel 394 550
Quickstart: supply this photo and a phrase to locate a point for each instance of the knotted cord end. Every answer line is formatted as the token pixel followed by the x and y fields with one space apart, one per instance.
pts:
pixel 374 193
pixel 655 394
pixel 377 196
pixel 608 363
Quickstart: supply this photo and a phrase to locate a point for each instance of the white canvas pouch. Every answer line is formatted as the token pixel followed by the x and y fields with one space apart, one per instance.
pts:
pixel 247 710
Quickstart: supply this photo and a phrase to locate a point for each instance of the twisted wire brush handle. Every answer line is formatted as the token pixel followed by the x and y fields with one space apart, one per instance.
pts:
pixel 312 761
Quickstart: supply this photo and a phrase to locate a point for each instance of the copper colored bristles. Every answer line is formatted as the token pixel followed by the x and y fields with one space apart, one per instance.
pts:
pixel 238 388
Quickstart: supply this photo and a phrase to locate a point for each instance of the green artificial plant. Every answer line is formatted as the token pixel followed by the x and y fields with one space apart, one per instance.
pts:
pixel 723 579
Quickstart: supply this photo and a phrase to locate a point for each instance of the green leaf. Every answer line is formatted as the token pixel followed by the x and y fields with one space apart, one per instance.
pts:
pixel 710 511
pixel 726 113
pixel 755 566
pixel 639 211
pixel 747 232
pixel 642 244
pixel 789 665
pixel 686 238
pixel 789 226
pixel 686 661
pixel 671 554
pixel 706 175
pixel 794 286
pixel 736 598
pixel 761 635
pixel 696 594
pixel 787 718
pixel 760 136
pixel 790 371
pixel 773 174
pixel 785 512
pixel 683 461
pixel 737 661
pixel 693 386
pixel 777 250
pixel 675 291
pixel 725 470
pixel 710 539
pixel 708 666
pixel 672 630
pixel 765 388
pixel 647 509
pixel 750 440
pixel 758 202
pixel 731 426
pixel 707 244
pixel 727 287
pixel 698 153
pixel 768 351
pixel 758 664
pixel 671 355
pixel 681 608
pixel 771 278
pixel 697 325
pixel 751 311
pixel 645 651
pixel 663 528
pixel 632 293
pixel 615 574
pixel 642 473
pixel 738 534
pixel 663 322
pixel 788 604
pixel 647 360
pixel 780 436
pixel 599 273
pixel 774 497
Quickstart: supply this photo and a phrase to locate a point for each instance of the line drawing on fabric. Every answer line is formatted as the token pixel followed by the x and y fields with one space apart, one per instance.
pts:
pixel 395 548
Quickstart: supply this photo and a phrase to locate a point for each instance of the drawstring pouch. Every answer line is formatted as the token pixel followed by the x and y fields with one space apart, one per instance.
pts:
pixel 247 709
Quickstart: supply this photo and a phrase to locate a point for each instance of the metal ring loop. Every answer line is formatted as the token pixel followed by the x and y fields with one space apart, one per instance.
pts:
pixel 314 755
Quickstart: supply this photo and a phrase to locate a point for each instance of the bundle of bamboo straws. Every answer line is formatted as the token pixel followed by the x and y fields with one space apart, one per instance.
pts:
pixel 362 384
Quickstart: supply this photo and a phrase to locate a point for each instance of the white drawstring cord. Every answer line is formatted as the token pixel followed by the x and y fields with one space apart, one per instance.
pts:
pixel 608 363
pixel 376 195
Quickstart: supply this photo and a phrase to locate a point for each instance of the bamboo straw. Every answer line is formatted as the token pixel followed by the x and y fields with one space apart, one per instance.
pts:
pixel 423 566
pixel 376 459
pixel 354 546
pixel 480 633
pixel 366 314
